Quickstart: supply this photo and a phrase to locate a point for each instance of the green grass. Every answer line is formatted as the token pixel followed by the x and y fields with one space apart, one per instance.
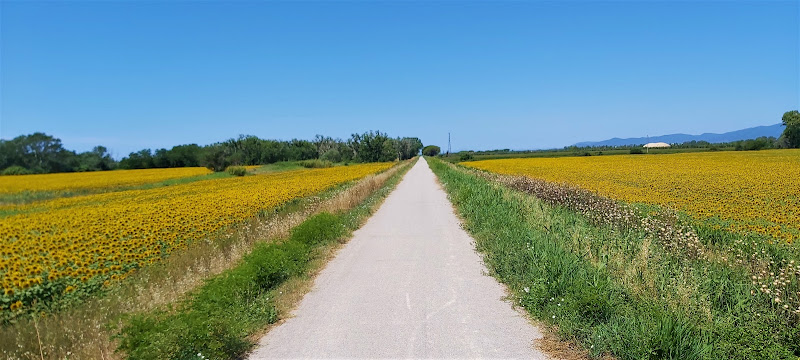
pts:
pixel 218 319
pixel 278 167
pixel 614 291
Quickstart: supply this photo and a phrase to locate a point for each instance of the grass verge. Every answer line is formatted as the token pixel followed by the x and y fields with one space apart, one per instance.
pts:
pixel 617 290
pixel 217 320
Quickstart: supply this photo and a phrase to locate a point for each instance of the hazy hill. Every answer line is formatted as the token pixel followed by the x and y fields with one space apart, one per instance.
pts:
pixel 744 134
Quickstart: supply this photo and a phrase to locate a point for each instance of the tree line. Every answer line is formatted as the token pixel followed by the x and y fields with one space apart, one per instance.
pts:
pixel 42 153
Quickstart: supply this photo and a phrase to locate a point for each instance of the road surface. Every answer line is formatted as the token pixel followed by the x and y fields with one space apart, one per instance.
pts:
pixel 408 285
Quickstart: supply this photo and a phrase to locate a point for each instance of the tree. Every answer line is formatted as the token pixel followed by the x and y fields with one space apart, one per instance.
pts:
pixel 184 155
pixel 409 147
pixel 390 151
pixel 370 146
pixel 142 159
pixel 431 150
pixel 97 159
pixel 791 134
pixel 217 157
pixel 302 150
pixel 161 158
pixel 37 152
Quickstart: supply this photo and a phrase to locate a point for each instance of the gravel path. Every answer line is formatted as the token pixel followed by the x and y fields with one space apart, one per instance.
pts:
pixel 408 285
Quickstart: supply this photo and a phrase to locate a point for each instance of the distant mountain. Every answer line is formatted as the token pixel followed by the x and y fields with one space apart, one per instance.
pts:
pixel 744 134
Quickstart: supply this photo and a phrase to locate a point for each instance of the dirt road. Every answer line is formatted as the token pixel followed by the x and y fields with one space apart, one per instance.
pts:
pixel 408 285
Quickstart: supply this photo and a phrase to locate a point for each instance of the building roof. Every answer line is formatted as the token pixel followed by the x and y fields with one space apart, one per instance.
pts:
pixel 657 145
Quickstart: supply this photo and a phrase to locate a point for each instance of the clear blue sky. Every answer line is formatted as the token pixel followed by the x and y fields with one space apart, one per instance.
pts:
pixel 517 74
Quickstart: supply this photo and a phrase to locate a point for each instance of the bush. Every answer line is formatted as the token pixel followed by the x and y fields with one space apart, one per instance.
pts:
pixel 465 157
pixel 236 170
pixel 637 151
pixel 315 164
pixel 16 170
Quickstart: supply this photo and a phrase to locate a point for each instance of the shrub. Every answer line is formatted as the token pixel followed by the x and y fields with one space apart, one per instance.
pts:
pixel 637 151
pixel 16 170
pixel 315 164
pixel 466 157
pixel 236 170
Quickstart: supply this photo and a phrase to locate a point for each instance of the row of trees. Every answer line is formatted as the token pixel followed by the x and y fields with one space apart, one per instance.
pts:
pixel 251 150
pixel 42 153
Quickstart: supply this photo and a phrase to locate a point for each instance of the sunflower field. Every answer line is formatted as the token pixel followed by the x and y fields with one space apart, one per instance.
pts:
pixel 94 180
pixel 745 192
pixel 64 245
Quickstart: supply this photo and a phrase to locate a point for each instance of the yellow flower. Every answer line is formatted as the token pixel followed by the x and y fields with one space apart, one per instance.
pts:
pixel 747 191
pixel 85 237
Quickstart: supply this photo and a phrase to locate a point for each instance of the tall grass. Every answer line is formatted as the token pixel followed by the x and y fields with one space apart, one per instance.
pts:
pixel 619 290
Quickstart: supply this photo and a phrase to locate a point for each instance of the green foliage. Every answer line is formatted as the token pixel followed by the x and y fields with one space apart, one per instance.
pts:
pixel 236 170
pixel 16 170
pixel 332 155
pixel 142 159
pixel 566 271
pixel 373 146
pixel 756 144
pixel 42 153
pixel 178 156
pixel 791 120
pixel 217 157
pixel 465 156
pixel 431 150
pixel 637 150
pixel 409 147
pixel 315 164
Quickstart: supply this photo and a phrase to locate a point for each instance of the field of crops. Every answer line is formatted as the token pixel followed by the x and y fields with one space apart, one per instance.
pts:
pixel 76 244
pixel 741 191
pixel 94 180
